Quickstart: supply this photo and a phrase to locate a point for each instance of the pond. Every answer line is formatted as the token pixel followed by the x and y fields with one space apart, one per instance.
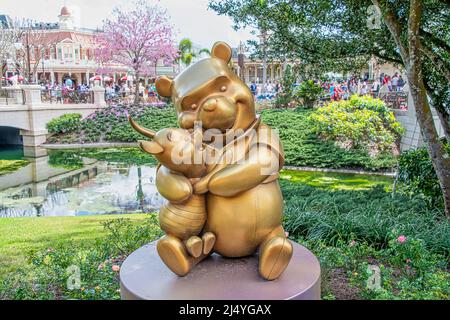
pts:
pixel 65 183
pixel 11 152
pixel 47 188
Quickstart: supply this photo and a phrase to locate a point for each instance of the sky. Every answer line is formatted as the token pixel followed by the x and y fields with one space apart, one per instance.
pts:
pixel 191 18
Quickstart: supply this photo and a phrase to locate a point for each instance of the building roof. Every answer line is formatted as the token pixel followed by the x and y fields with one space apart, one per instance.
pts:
pixel 74 36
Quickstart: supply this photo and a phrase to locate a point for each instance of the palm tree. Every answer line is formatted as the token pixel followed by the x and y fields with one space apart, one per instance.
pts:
pixel 186 54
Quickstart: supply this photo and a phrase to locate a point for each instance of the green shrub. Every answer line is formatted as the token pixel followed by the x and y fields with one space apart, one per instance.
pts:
pixel 407 271
pixel 65 123
pixel 302 146
pixel 111 124
pixel 308 92
pixel 417 175
pixel 370 216
pixel 359 123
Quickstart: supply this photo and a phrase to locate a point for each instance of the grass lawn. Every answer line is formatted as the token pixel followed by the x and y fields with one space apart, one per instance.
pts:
pixel 19 236
pixel 336 181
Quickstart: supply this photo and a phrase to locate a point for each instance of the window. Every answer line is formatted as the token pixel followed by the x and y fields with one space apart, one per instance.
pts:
pixel 60 56
pixel 77 54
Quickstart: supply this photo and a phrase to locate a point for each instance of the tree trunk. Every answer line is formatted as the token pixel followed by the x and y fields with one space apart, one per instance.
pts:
pixel 136 91
pixel 264 58
pixel 445 122
pixel 411 56
pixel 444 117
pixel 1 75
pixel 436 149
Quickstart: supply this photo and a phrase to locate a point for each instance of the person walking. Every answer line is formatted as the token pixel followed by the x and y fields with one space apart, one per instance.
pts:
pixel 253 88
pixel 375 88
pixel 394 82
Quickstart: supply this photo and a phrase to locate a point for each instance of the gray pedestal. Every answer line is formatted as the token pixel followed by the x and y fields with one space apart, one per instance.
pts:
pixel 144 276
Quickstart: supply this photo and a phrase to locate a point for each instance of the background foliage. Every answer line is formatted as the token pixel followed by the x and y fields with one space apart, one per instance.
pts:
pixel 65 123
pixel 301 143
pixel 361 122
pixel 308 92
pixel 303 147
pixel 417 175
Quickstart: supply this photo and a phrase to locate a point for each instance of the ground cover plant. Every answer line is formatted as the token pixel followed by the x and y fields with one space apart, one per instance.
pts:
pixel 351 232
pixel 111 124
pixel 302 145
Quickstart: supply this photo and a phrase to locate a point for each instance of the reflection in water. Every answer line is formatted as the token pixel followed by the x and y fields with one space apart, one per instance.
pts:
pixel 97 188
pixel 11 152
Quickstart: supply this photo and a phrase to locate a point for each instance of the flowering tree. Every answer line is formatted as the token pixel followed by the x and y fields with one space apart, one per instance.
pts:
pixel 137 38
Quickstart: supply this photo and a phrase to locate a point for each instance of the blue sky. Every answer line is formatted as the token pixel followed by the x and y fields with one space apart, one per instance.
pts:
pixel 191 18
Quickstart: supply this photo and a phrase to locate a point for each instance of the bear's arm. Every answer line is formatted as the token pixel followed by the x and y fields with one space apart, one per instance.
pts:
pixel 245 175
pixel 172 186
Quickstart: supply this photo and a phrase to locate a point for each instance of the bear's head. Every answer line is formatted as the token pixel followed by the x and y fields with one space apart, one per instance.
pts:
pixel 208 91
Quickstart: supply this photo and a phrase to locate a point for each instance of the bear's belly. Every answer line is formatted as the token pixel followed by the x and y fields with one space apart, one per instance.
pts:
pixel 241 223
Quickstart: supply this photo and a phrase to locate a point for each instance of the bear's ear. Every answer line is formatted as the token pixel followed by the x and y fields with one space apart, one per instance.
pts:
pixel 164 86
pixel 222 51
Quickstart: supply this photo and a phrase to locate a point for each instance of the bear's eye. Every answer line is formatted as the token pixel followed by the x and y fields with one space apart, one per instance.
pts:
pixel 223 88
pixel 169 136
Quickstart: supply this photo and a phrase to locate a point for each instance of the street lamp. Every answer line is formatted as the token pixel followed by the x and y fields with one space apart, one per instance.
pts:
pixel 242 48
pixel 43 67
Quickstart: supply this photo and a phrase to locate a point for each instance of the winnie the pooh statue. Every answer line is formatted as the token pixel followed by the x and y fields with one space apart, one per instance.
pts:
pixel 244 204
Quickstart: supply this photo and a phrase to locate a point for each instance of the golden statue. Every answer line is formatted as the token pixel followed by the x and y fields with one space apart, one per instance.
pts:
pixel 224 195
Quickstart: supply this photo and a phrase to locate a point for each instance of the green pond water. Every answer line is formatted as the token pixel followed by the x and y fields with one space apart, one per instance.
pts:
pixel 11 152
pixel 67 183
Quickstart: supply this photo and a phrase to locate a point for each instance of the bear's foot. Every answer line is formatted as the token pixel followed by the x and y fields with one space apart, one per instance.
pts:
pixel 173 253
pixel 274 257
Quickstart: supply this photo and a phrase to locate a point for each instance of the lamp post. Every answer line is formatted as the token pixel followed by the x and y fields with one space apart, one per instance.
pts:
pixel 263 42
pixel 28 56
pixel 43 67
pixel 241 57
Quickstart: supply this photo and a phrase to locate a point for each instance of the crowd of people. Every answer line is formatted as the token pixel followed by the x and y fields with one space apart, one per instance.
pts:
pixel 268 91
pixel 344 89
pixel 120 92
pixel 124 91
pixel 339 89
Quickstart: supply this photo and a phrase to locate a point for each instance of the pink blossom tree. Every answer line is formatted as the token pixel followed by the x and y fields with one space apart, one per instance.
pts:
pixel 137 38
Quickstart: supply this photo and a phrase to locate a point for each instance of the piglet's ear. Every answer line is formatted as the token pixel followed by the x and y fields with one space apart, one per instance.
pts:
pixel 222 51
pixel 164 86
pixel 151 147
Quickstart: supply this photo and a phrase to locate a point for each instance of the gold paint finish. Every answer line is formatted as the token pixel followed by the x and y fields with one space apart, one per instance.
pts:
pixel 232 208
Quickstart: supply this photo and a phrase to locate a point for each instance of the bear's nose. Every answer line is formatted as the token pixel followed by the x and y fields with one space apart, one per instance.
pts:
pixel 210 105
